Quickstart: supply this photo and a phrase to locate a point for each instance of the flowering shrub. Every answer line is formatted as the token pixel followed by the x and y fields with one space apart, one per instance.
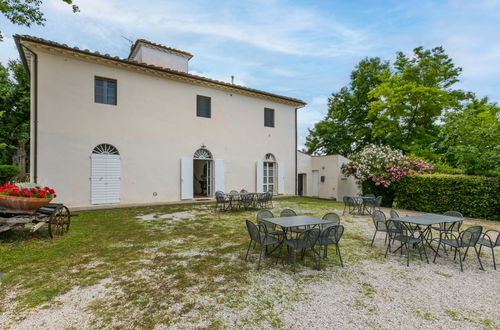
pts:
pixel 383 166
pixel 34 192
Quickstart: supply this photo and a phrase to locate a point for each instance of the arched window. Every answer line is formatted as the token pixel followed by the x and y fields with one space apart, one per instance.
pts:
pixel 105 149
pixel 270 158
pixel 202 154
pixel 269 173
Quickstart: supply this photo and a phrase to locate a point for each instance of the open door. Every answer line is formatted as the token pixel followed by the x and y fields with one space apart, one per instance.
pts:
pixel 219 174
pixel 259 185
pixel 186 178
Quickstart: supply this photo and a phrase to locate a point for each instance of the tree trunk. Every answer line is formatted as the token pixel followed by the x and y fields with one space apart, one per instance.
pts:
pixel 19 159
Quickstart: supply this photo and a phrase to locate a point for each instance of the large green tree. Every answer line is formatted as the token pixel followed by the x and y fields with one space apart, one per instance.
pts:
pixel 26 12
pixel 411 98
pixel 470 138
pixel 345 128
pixel 14 115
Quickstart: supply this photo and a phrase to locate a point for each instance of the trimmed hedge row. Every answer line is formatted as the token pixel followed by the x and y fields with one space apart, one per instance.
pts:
pixel 7 173
pixel 473 196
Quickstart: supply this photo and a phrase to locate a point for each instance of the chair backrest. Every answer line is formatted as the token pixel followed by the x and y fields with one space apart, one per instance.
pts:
pixel 378 201
pixel 253 231
pixel 288 213
pixel 333 217
pixel 309 238
pixel 333 233
pixel 232 192
pixel 393 213
pixel 395 226
pixel 264 214
pixel 219 196
pixel 470 236
pixel 243 191
pixel 379 219
pixel 453 214
pixel 450 226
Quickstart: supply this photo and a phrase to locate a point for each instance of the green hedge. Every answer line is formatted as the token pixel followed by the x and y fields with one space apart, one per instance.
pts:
pixel 7 173
pixel 473 196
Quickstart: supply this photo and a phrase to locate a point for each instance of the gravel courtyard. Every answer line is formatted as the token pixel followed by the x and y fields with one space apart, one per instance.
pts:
pixel 183 267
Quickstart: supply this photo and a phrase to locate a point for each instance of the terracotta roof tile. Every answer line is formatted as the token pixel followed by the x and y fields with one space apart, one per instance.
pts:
pixel 147 42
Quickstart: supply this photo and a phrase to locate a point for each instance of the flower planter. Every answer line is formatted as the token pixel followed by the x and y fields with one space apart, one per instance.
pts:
pixel 23 204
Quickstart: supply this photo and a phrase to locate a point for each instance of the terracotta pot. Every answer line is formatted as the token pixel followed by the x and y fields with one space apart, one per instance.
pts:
pixel 23 204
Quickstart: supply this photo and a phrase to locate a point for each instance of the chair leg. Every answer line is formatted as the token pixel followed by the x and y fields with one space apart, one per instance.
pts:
pixel 460 258
pixel 437 250
pixel 373 239
pixel 387 249
pixel 279 253
pixel 386 235
pixel 340 256
pixel 425 253
pixel 493 255
pixel 466 250
pixel 294 260
pixel 260 257
pixel 478 258
pixel 249 245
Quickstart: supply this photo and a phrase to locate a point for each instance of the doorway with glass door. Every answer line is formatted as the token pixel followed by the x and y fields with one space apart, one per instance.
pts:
pixel 202 178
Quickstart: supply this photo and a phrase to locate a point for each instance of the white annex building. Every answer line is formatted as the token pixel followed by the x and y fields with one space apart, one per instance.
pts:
pixel 141 130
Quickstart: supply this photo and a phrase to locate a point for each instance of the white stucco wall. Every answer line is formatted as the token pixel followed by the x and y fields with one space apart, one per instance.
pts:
pixel 335 185
pixel 153 125
pixel 148 54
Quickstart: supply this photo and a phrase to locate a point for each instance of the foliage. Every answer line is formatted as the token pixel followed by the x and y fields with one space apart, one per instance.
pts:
pixel 15 114
pixel 470 138
pixel 442 168
pixel 34 192
pixel 7 173
pixel 345 128
pixel 383 165
pixel 473 196
pixel 412 97
pixel 26 12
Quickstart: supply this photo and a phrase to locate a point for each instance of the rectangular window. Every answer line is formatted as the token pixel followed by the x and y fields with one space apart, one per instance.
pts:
pixel 203 106
pixel 268 117
pixel 105 91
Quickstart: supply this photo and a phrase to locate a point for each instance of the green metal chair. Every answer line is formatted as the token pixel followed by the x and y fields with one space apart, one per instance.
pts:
pixel 331 236
pixel 408 236
pixel 333 217
pixel 258 235
pixel 271 227
pixel 304 241
pixel 379 221
pixel 487 241
pixel 465 239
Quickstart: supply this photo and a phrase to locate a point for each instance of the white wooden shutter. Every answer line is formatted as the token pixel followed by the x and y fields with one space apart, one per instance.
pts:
pixel 186 178
pixel 105 179
pixel 281 178
pixel 259 186
pixel 219 174
pixel 113 179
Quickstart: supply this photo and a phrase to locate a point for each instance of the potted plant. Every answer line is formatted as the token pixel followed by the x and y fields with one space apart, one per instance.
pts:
pixel 25 197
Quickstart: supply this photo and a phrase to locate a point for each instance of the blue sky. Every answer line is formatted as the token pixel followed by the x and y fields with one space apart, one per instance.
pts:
pixel 303 49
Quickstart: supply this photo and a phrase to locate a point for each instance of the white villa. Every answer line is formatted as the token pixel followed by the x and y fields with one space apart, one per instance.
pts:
pixel 142 130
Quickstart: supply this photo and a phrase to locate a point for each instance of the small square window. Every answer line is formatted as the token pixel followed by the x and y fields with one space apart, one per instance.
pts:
pixel 322 178
pixel 105 91
pixel 203 106
pixel 268 117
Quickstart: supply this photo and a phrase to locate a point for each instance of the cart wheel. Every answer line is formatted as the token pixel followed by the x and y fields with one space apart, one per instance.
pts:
pixel 59 221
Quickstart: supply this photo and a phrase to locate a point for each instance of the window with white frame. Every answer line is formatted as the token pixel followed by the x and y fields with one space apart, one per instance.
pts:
pixel 269 173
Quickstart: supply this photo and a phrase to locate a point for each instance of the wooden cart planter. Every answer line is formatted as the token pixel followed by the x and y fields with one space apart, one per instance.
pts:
pixel 55 215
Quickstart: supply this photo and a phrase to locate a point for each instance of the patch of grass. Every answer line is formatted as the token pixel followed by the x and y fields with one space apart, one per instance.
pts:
pixel 174 273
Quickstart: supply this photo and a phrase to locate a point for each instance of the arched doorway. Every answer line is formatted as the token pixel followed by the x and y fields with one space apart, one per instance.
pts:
pixel 269 174
pixel 105 175
pixel 202 173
